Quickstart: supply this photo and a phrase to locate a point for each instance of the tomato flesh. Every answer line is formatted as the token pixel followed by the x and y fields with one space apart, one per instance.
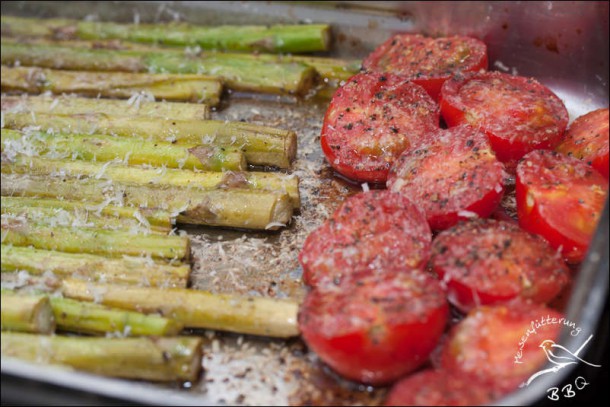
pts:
pixel 587 139
pixel 498 345
pixel 373 232
pixel 561 199
pixel 518 114
pixel 438 388
pixel 376 329
pixel 488 262
pixel 429 62
pixel 371 120
pixel 453 176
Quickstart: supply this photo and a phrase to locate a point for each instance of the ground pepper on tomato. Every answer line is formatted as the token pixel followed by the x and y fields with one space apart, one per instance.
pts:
pixel 561 199
pixel 587 139
pixel 426 61
pixel 371 120
pixel 453 176
pixel 517 114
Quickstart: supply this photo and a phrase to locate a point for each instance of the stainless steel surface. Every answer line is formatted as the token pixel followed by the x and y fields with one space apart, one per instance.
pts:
pixel 563 44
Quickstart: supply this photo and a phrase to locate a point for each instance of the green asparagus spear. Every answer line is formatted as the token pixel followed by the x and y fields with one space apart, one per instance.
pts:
pixel 261 145
pixel 193 88
pixel 26 314
pixel 275 38
pixel 95 241
pixel 157 220
pixel 237 208
pixel 90 318
pixel 266 181
pixel 236 73
pixel 78 105
pixel 125 270
pixel 156 359
pixel 197 309
pixel 331 70
pixel 60 217
pixel 128 150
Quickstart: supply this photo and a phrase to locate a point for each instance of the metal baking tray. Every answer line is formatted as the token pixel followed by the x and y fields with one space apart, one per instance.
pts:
pixel 562 44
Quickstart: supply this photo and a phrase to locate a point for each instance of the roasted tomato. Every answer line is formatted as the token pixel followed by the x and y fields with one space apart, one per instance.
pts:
pixel 429 62
pixel 455 175
pixel 371 120
pixel 487 262
pixel 438 388
pixel 560 198
pixel 518 114
pixel 502 345
pixel 374 232
pixel 376 329
pixel 587 139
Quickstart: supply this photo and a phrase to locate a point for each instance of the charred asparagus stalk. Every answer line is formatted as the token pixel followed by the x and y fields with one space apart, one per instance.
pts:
pixel 95 241
pixel 275 38
pixel 261 145
pixel 236 73
pixel 131 151
pixel 26 314
pixel 266 181
pixel 78 105
pixel 194 88
pixel 236 208
pixel 157 220
pixel 197 309
pixel 156 359
pixel 125 270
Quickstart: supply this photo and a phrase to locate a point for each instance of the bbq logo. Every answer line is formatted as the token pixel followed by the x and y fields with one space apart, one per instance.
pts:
pixel 560 357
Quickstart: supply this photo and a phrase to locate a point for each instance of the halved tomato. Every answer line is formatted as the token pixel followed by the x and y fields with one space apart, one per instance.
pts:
pixel 518 114
pixel 371 120
pixel 587 139
pixel 502 345
pixel 561 199
pixel 428 62
pixel 455 175
pixel 376 329
pixel 439 388
pixel 371 233
pixel 488 262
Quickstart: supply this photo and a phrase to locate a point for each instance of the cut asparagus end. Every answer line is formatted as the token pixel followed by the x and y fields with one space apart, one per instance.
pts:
pixel 155 359
pixel 26 314
pixel 135 106
pixel 197 309
pixel 159 221
pixel 94 241
pixel 235 208
pixel 125 270
pixel 261 145
pixel 130 151
pixel 124 85
pixel 265 181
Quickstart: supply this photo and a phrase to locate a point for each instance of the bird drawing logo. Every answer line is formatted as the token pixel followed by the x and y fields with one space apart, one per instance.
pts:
pixel 560 357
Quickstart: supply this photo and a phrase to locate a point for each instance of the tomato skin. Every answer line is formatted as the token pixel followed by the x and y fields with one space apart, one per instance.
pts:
pixel 499 345
pixel 439 388
pixel 452 177
pixel 376 329
pixel 371 233
pixel 428 62
pixel 371 120
pixel 488 262
pixel 587 139
pixel 517 114
pixel 561 199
